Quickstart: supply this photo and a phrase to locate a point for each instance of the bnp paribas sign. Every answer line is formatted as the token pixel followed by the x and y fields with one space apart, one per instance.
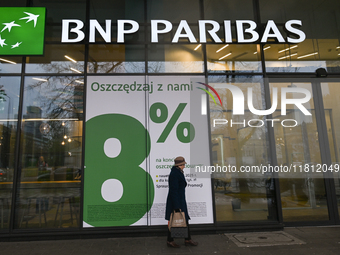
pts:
pixel 22 30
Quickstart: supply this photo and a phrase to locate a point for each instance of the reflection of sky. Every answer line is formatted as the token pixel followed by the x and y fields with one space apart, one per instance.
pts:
pixel 294 66
pixel 10 68
pixel 221 66
pixel 175 66
pixel 117 67
pixel 55 67
pixel 11 85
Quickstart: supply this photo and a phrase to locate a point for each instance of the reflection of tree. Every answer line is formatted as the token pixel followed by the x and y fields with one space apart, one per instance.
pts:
pixel 57 99
pixel 116 67
pixel 104 67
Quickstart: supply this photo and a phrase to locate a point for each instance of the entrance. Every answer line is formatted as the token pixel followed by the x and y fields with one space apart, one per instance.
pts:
pixel 310 192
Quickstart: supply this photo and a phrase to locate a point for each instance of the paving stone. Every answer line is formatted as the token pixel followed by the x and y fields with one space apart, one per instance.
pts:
pixel 325 240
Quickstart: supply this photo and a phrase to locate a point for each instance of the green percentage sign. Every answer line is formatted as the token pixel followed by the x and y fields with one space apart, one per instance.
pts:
pixel 181 127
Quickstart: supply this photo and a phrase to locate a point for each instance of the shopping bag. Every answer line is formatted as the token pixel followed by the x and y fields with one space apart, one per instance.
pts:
pixel 178 225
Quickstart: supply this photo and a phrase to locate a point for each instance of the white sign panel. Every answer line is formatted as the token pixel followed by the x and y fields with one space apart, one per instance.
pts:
pixel 135 127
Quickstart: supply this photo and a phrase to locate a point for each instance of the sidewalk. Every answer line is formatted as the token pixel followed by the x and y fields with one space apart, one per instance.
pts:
pixel 318 240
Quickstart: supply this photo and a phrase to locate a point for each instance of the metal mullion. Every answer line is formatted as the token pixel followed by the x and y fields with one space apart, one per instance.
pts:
pixel 81 200
pixel 272 151
pixel 17 153
pixel 205 63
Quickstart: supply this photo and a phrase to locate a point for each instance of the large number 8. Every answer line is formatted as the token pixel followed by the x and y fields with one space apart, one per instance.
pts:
pixel 130 184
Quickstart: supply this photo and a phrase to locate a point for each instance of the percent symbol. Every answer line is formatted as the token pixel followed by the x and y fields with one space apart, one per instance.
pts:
pixel 185 131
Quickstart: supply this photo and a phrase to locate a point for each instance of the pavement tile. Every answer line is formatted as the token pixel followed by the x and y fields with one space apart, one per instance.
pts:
pixel 325 240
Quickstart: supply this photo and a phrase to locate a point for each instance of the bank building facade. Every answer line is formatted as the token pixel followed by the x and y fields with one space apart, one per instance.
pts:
pixel 97 98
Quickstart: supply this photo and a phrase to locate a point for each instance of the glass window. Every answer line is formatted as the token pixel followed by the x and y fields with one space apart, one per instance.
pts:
pixel 331 101
pixel 220 10
pixel 224 58
pixel 173 10
pixel 58 59
pixel 9 64
pixel 303 194
pixel 18 3
pixel 9 103
pixel 109 58
pixel 319 23
pixel 115 10
pixel 49 190
pixel 179 58
pixel 238 143
pixel 56 11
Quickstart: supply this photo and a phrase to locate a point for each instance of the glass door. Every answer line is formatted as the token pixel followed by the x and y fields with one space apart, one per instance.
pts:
pixel 331 103
pixel 297 133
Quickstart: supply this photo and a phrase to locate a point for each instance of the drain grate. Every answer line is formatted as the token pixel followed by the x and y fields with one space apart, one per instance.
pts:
pixel 263 239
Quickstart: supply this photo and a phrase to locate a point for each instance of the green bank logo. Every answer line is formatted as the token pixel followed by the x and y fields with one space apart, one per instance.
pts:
pixel 22 30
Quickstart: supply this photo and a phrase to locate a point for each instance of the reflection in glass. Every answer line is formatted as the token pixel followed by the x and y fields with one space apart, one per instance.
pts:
pixel 173 10
pixel 9 64
pixel 331 101
pixel 221 10
pixel 303 57
pixel 180 58
pixel 240 196
pixel 49 190
pixel 303 194
pixel 108 58
pixel 321 46
pixel 128 10
pixel 233 58
pixel 58 59
pixel 9 103
pixel 56 11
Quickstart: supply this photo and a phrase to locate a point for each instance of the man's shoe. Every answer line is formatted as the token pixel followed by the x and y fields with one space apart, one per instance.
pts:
pixel 190 242
pixel 173 244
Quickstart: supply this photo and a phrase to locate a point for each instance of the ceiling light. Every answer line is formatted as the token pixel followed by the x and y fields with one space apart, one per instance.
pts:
pixel 8 61
pixel 75 70
pixel 222 48
pixel 77 81
pixel 266 48
pixel 308 55
pixel 289 48
pixel 288 56
pixel 198 46
pixel 225 56
pixel 255 52
pixel 338 47
pixel 40 79
pixel 71 59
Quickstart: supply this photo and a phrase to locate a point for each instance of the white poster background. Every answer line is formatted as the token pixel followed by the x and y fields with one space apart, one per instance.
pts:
pixel 198 191
pixel 136 104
